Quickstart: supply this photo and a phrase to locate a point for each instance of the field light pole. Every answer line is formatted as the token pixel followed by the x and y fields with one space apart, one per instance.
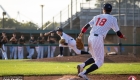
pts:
pixel 4 13
pixel 42 15
pixel 71 16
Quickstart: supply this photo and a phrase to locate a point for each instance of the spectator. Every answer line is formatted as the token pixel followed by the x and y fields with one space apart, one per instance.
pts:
pixel 51 49
pixel 21 47
pixel 14 41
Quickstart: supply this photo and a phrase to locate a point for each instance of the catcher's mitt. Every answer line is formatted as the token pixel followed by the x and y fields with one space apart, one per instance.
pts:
pixel 62 41
pixel 79 43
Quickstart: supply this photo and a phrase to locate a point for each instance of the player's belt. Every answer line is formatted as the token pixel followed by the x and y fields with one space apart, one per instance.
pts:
pixel 95 34
pixel 71 39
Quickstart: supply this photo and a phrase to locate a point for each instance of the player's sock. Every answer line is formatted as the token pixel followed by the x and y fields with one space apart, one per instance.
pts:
pixel 83 52
pixel 89 61
pixel 91 68
pixel 61 50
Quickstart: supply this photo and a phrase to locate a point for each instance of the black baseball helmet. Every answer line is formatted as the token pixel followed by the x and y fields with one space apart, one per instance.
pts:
pixel 60 29
pixel 107 7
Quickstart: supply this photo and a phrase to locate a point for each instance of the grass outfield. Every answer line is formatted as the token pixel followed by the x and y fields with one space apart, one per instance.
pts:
pixel 22 67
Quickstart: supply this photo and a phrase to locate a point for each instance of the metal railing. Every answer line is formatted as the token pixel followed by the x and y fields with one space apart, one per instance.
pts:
pixel 63 17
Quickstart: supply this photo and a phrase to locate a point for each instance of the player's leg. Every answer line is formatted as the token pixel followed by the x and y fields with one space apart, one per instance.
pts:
pixel 42 51
pixel 97 52
pixel 38 51
pixel 81 66
pixel 49 53
pixel 11 52
pixel 88 61
pixel 4 52
pixel 32 52
pixel 61 51
pixel 28 49
pixel 52 50
pixel 15 52
pixel 19 52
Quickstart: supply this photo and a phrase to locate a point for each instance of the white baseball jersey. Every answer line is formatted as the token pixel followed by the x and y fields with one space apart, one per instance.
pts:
pixel 71 43
pixel 66 37
pixel 102 23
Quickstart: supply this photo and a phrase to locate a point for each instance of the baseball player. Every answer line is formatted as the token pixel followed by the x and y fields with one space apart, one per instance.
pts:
pixel 51 49
pixel 14 48
pixel 100 25
pixel 21 47
pixel 40 40
pixel 51 39
pixel 69 42
pixel 32 47
pixel 3 41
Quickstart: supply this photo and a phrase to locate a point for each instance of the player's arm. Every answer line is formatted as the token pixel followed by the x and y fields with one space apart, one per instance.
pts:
pixel 48 33
pixel 119 34
pixel 117 30
pixel 83 30
pixel 11 39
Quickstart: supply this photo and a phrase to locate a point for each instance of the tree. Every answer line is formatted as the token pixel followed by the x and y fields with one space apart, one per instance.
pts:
pixel 12 23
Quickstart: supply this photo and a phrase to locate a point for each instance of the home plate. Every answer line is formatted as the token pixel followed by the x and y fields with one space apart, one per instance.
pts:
pixel 69 77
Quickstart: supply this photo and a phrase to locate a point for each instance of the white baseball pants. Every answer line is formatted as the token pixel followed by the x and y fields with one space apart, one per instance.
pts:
pixel 14 52
pixel 20 52
pixel 96 48
pixel 51 50
pixel 40 52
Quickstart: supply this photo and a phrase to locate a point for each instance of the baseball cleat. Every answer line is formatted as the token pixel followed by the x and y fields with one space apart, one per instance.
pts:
pixel 60 55
pixel 79 68
pixel 82 75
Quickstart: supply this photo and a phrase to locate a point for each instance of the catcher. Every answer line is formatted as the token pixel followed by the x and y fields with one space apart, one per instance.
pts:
pixel 68 41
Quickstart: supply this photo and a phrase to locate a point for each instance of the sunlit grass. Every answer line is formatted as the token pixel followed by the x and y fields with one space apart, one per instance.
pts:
pixel 23 67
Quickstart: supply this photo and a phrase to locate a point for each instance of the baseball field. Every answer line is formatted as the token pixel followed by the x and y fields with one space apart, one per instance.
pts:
pixel 116 67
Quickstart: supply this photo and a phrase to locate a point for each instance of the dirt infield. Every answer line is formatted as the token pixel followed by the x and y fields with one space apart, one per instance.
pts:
pixel 72 77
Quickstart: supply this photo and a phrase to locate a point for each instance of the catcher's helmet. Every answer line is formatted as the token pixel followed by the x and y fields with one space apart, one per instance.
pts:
pixel 107 7
pixel 60 29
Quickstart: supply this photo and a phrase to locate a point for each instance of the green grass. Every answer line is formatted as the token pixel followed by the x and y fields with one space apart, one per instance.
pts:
pixel 22 67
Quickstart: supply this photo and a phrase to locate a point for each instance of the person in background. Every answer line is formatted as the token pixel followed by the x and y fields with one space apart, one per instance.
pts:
pixel 32 47
pixel 41 41
pixel 21 47
pixel 51 49
pixel 14 41
pixel 3 41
